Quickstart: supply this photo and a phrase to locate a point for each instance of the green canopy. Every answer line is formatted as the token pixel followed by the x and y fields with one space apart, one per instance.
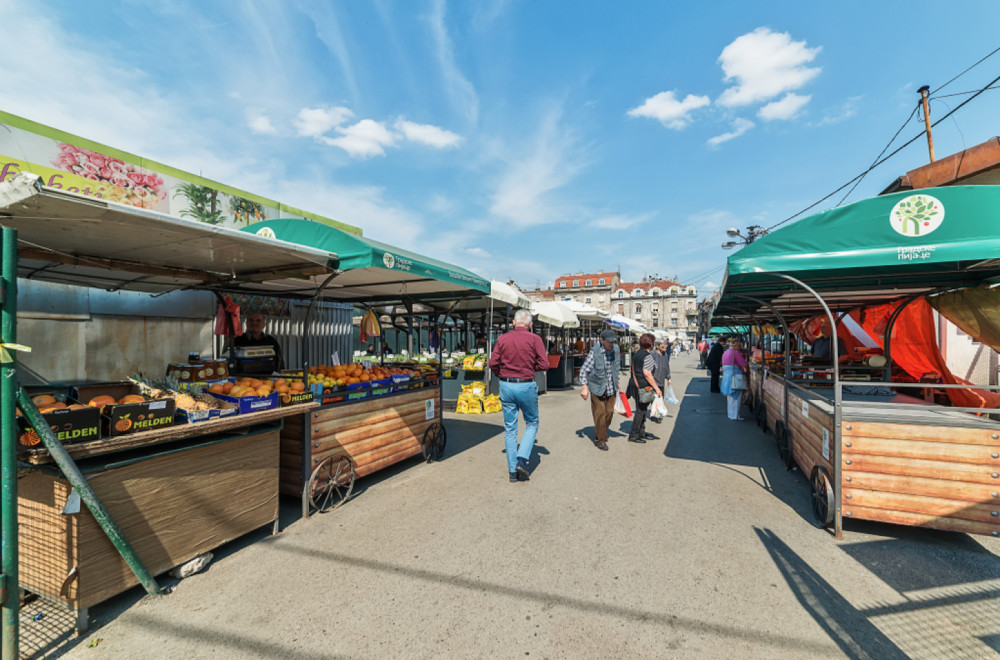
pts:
pixel 372 271
pixel 728 330
pixel 875 250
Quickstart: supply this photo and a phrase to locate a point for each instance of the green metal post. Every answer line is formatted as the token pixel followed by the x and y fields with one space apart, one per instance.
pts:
pixel 8 446
pixel 87 494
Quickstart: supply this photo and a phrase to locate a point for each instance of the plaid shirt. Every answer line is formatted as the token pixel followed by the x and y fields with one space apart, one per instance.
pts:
pixel 588 366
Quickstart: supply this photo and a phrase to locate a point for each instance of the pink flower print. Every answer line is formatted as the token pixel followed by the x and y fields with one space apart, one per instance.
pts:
pixel 90 167
pixel 80 157
pixel 99 160
pixel 106 173
pixel 138 178
pixel 152 180
pixel 91 176
pixel 122 181
pixel 117 166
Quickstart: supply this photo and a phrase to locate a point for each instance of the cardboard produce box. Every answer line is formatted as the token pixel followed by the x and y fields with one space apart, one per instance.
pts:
pixel 124 418
pixel 251 404
pixel 70 427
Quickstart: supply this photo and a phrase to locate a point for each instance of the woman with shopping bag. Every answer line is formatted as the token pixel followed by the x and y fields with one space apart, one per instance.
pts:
pixel 642 385
pixel 734 378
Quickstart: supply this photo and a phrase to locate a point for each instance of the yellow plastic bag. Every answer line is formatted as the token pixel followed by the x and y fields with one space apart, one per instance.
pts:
pixel 477 388
pixel 469 362
pixel 463 404
pixel 492 404
pixel 475 406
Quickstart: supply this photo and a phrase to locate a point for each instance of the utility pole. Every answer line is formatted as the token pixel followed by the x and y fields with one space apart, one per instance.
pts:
pixel 927 119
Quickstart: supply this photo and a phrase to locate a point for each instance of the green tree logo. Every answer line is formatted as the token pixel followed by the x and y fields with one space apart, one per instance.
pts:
pixel 917 215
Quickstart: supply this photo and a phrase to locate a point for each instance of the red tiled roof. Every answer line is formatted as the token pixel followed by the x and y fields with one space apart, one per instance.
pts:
pixel 594 277
pixel 663 285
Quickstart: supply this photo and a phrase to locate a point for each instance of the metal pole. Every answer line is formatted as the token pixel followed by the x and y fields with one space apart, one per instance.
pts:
pixel 8 454
pixel 838 397
pixel 927 120
pixel 87 494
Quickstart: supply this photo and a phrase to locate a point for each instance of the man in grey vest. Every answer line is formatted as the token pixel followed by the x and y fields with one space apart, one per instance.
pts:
pixel 600 382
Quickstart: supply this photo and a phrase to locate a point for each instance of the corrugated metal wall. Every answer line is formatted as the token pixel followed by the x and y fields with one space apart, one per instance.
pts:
pixel 330 331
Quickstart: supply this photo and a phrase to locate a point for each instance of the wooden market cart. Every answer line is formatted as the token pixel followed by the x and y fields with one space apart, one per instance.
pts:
pixel 874 449
pixel 355 433
pixel 95 518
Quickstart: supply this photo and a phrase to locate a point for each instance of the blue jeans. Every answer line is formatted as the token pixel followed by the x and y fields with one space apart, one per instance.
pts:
pixel 523 397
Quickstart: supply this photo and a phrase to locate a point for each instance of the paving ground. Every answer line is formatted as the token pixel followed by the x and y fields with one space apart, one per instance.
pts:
pixel 696 545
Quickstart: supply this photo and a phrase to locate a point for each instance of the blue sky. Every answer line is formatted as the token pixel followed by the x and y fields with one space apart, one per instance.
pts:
pixel 520 139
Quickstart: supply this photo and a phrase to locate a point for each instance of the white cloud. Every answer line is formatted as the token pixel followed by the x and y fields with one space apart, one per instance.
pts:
pixel 764 65
pixel 260 123
pixel 620 221
pixel 427 134
pixel 786 108
pixel 668 110
pixel 364 139
pixel 314 122
pixel 525 193
pixel 459 89
pixel 843 112
pixel 740 126
pixel 477 252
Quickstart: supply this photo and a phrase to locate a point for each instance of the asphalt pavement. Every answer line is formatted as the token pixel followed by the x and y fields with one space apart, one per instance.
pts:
pixel 698 544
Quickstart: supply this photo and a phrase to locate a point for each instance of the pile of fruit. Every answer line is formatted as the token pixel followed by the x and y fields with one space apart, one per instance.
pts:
pixel 349 374
pixel 254 387
pixel 47 403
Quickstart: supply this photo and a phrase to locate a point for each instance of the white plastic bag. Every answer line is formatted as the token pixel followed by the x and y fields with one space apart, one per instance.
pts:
pixel 670 397
pixel 622 406
pixel 658 409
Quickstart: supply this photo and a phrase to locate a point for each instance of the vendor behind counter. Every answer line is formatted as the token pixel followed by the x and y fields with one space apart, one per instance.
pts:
pixel 254 335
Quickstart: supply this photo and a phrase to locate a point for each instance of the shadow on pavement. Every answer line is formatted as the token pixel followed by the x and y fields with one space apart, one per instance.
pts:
pixel 702 432
pixel 848 627
pixel 678 622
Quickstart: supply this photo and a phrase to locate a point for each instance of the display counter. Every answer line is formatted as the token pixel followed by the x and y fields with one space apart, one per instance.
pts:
pixel 560 373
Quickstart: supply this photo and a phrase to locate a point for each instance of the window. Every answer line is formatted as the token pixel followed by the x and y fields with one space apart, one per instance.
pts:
pixel 600 298
pixel 655 311
pixel 576 282
pixel 563 283
pixel 673 292
pixel 655 292
pixel 621 309
pixel 638 308
pixel 590 282
pixel 587 299
pixel 621 294
pixel 600 282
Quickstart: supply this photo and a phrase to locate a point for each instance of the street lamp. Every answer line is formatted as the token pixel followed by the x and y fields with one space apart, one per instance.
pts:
pixel 753 233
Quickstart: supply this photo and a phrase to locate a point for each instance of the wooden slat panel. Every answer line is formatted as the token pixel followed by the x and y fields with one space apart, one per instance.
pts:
pixel 923 432
pixel 807 441
pixel 292 447
pixel 47 538
pixel 941 469
pixel 361 450
pixel 344 438
pixel 292 477
pixel 333 412
pixel 375 466
pixel 934 451
pixel 356 420
pixel 293 489
pixel 172 508
pixel 384 419
pixel 945 488
pixel 293 425
pixel 919 520
pixel 922 505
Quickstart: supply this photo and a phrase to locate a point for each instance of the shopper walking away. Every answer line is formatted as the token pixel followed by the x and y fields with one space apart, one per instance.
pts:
pixel 516 357
pixel 734 367
pixel 642 386
pixel 599 376
pixel 703 350
pixel 661 358
pixel 714 362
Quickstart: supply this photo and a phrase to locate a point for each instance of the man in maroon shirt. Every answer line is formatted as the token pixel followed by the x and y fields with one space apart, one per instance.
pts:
pixel 518 354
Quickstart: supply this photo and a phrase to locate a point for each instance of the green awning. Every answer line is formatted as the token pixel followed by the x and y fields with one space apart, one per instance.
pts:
pixel 874 250
pixel 374 271
pixel 729 330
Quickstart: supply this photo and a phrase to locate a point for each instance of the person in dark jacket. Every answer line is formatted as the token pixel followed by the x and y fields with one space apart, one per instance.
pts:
pixel 642 378
pixel 714 362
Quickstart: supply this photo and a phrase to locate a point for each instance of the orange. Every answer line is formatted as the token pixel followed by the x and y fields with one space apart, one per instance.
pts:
pixel 218 388
pixel 263 391
pixel 297 386
pixel 101 400
pixel 249 393
pixel 279 381
pixel 282 389
pixel 43 400
pixel 227 387
pixel 132 398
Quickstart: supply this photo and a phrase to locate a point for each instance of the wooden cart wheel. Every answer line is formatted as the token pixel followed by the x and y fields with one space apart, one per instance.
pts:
pixel 750 401
pixel 331 484
pixel 822 495
pixel 785 446
pixel 435 439
pixel 761 416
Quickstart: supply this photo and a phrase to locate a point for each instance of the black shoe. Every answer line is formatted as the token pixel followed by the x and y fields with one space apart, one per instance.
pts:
pixel 640 441
pixel 649 436
pixel 522 470
pixel 513 477
pixel 603 446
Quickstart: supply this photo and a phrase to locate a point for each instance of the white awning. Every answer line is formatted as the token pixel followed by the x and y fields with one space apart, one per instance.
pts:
pixel 556 314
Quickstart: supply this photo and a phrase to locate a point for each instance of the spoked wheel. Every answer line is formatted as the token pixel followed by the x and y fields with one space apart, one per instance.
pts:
pixel 822 496
pixel 331 484
pixel 781 438
pixel 761 414
pixel 435 439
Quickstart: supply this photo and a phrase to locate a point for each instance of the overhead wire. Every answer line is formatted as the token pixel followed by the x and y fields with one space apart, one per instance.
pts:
pixel 884 149
pixel 882 160
pixel 970 68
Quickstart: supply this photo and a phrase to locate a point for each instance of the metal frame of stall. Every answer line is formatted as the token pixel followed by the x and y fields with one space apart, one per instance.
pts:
pixel 741 302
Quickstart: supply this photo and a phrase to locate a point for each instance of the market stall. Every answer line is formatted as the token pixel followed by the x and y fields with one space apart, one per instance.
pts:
pixel 137 488
pixel 390 412
pixel 894 442
pixel 554 320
